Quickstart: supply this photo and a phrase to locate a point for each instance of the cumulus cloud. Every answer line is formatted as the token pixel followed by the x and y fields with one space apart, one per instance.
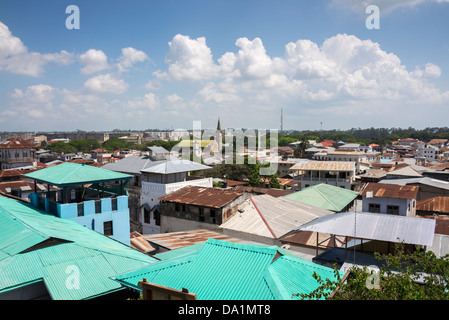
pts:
pixel 93 61
pixel 16 58
pixel 188 60
pixel 149 102
pixel 129 57
pixel 106 83
pixel 342 69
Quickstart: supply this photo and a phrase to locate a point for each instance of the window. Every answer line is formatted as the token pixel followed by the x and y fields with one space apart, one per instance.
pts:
pixel 393 210
pixel 146 215
pixel 107 228
pixel 212 215
pixel 157 217
pixel 374 207
pixel 201 214
pixel 177 206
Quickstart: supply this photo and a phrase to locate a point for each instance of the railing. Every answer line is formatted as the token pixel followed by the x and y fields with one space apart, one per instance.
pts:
pixel 75 208
pixel 331 179
pixel 16 160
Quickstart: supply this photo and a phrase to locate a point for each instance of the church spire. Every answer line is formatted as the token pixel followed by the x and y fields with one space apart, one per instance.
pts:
pixel 219 125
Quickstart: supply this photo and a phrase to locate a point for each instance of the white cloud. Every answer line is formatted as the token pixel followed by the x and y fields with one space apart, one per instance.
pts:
pixel 16 58
pixel 149 102
pixel 106 83
pixel 93 61
pixel 129 57
pixel 188 60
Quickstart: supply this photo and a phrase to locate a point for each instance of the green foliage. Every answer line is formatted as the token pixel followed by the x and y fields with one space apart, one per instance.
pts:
pixel 115 143
pixel 274 182
pixel 403 276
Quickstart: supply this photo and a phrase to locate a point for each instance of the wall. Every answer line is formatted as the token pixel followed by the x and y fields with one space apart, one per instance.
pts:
pixel 384 202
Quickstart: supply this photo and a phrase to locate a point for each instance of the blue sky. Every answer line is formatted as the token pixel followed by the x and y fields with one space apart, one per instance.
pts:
pixel 164 64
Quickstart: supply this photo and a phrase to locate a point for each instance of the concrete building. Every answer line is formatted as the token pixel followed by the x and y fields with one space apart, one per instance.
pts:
pixel 389 199
pixel 152 179
pixel 17 153
pixel 198 208
pixel 337 173
pixel 93 197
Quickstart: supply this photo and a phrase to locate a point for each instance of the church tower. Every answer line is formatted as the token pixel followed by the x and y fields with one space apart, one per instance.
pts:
pixel 219 137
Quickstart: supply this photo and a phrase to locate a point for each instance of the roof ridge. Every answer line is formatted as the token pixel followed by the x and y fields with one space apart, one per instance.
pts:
pixel 325 197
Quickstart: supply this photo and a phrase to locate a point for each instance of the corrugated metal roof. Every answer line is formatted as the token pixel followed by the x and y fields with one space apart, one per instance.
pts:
pixel 375 226
pixel 138 164
pixel 15 143
pixel 202 196
pixel 271 217
pixel 224 270
pixel 324 196
pixel 390 190
pixel 435 204
pixel 98 257
pixel 425 181
pixel 180 239
pixel 75 174
pixel 404 172
pixel 272 192
pixel 337 166
pixel 174 166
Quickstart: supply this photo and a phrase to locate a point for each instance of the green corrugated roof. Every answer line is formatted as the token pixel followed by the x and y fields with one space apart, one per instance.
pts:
pixel 96 256
pixel 68 173
pixel 324 196
pixel 224 270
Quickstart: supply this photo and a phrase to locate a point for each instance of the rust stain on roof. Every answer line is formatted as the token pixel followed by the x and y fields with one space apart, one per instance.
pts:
pixel 175 240
pixel 16 143
pixel 435 204
pixel 272 192
pixel 391 190
pixel 324 166
pixel 202 196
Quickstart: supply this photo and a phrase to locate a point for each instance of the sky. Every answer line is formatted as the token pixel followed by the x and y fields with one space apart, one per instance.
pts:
pixel 138 65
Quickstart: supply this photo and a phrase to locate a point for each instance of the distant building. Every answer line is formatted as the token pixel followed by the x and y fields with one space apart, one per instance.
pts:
pixel 336 173
pixel 17 153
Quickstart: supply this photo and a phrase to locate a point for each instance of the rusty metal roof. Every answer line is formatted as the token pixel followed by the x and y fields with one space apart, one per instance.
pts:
pixel 16 143
pixel 337 166
pixel 441 223
pixel 391 190
pixel 435 204
pixel 180 239
pixel 139 242
pixel 202 196
pixel 272 192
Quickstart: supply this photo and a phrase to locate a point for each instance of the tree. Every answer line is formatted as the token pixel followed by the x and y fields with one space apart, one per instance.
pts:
pixel 274 182
pixel 302 146
pixel 403 276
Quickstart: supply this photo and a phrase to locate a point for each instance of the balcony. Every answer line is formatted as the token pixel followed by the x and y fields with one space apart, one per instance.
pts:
pixel 109 202
pixel 325 179
pixel 12 160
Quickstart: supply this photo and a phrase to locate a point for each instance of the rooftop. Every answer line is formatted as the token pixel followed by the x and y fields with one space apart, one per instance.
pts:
pixel 336 166
pixel 15 143
pixel 70 174
pixel 223 270
pixel 37 247
pixel 202 196
pixel 271 217
pixel 390 190
pixel 435 204
pixel 376 226
pixel 324 196
pixel 272 192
